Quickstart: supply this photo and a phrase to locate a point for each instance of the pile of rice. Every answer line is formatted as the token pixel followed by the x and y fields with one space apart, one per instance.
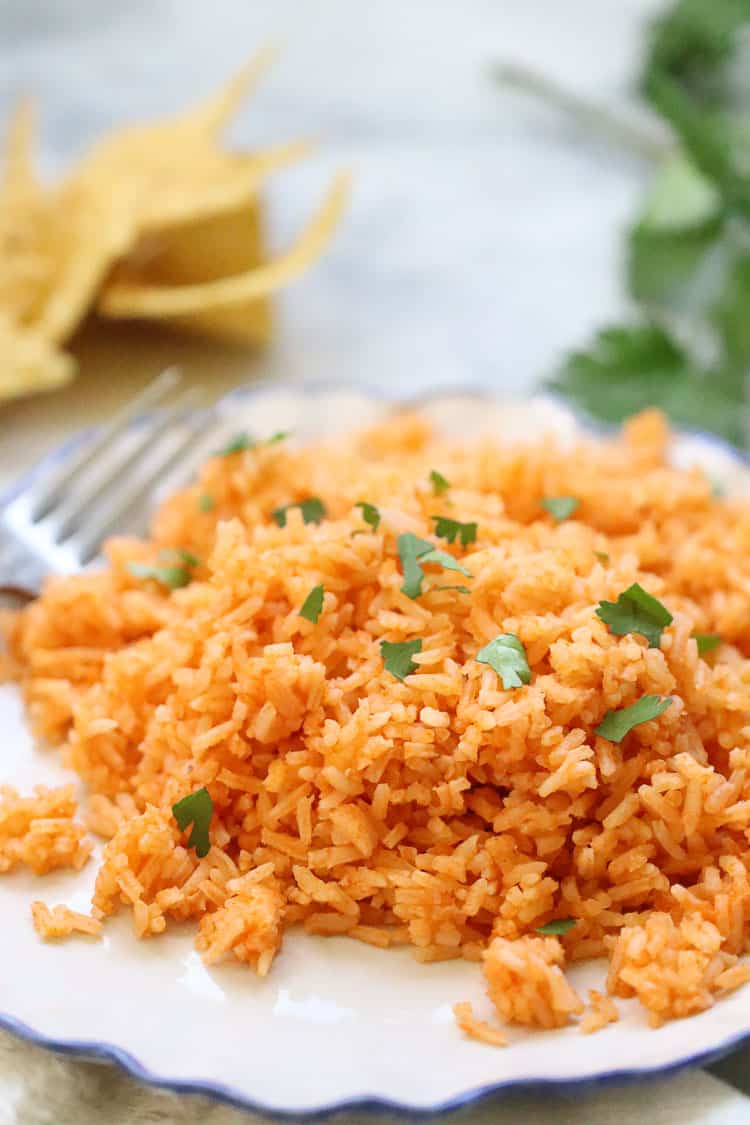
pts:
pixel 440 811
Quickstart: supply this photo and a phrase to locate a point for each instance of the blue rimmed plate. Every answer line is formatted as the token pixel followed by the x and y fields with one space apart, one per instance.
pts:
pixel 336 1024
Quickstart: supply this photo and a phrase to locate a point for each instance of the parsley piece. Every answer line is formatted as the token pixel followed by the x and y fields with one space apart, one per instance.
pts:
pixel 179 554
pixel 560 507
pixel 439 483
pixel 206 502
pixel 616 724
pixel 635 611
pixel 370 514
pixel 449 529
pixel 414 553
pixel 313 511
pixel 173 577
pixel 238 444
pixel 706 642
pixel 280 435
pixel 397 657
pixel 557 926
pixel 507 656
pixel 196 809
pixel 313 604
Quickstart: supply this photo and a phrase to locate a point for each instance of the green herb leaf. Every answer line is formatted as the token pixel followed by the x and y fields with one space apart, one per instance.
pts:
pixel 616 724
pixel 557 926
pixel 458 589
pixel 313 511
pixel 179 554
pixel 439 483
pixel 560 507
pixel 370 514
pixel 238 444
pixel 636 611
pixel 397 657
pixel 196 809
pixel 280 435
pixel 450 529
pixel 414 553
pixel 313 605
pixel 206 502
pixel 507 656
pixel 706 642
pixel 630 368
pixel 173 577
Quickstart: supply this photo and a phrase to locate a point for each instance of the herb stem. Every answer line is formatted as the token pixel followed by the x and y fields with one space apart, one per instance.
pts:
pixel 613 126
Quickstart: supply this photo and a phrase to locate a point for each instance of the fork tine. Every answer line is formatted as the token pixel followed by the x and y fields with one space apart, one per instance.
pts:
pixel 71 511
pixel 46 495
pixel 89 540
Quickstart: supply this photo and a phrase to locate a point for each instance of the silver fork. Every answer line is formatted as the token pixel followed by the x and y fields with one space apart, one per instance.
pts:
pixel 56 524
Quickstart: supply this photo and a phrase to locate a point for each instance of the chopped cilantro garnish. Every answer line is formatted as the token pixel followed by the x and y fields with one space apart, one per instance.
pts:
pixel 507 656
pixel 439 483
pixel 414 553
pixel 196 809
pixel 280 435
pixel 238 444
pixel 313 510
pixel 312 605
pixel 206 502
pixel 560 507
pixel 397 657
pixel 173 577
pixel 706 642
pixel 557 926
pixel 450 529
pixel 370 514
pixel 636 611
pixel 170 554
pixel 616 724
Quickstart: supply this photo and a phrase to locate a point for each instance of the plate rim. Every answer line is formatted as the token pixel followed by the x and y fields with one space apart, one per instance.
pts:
pixel 368 1103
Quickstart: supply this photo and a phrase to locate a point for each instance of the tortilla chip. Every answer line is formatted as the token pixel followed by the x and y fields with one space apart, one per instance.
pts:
pixel 128 298
pixel 28 363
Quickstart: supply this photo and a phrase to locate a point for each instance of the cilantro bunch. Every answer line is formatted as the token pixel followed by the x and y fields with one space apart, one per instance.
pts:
pixel 687 347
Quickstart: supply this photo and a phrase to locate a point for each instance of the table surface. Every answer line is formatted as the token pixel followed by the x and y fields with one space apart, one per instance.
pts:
pixel 483 240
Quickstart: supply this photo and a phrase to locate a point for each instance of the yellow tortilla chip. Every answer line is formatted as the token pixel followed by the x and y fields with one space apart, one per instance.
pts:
pixel 122 298
pixel 28 363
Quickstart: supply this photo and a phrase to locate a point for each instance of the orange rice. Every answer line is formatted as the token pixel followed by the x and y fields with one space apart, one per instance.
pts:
pixel 441 811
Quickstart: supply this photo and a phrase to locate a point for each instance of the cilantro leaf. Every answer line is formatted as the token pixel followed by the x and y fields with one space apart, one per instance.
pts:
pixel 414 553
pixel 560 507
pixel 410 548
pixel 180 554
pixel 397 657
pixel 507 656
pixel 450 529
pixel 196 809
pixel 557 926
pixel 238 444
pixel 438 482
pixel 313 511
pixel 173 577
pixel 206 502
pixel 636 611
pixel 370 514
pixel 616 724
pixel 312 605
pixel 627 369
pixel 280 435
pixel 706 642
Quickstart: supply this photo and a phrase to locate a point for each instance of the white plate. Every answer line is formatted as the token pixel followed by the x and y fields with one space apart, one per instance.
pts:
pixel 336 1024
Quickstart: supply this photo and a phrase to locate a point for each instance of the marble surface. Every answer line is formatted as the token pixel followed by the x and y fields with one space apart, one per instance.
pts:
pixel 482 241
